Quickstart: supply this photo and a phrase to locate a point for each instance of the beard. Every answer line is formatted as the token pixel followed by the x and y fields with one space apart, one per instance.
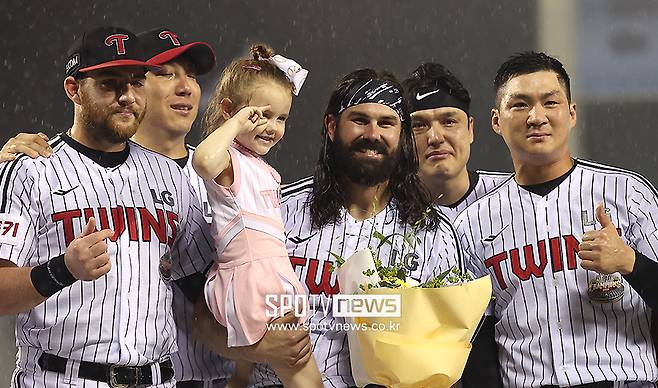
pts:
pixel 366 172
pixel 102 122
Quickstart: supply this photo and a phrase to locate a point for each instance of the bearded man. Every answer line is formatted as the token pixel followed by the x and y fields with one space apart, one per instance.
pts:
pixel 365 181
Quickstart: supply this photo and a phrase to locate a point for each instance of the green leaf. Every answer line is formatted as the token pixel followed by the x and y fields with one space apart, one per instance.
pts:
pixel 339 259
pixel 378 235
pixel 443 274
pixel 385 239
pixel 409 239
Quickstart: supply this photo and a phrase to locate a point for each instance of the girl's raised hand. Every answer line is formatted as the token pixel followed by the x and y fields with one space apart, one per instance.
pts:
pixel 251 117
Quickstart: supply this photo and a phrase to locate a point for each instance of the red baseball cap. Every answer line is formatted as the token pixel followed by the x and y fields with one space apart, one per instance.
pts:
pixel 162 45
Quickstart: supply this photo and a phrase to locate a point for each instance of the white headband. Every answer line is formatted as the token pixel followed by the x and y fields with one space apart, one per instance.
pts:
pixel 295 73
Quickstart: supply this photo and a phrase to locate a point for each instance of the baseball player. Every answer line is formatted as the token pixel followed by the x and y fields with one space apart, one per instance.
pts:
pixel 365 181
pixel 94 307
pixel 173 96
pixel 570 245
pixel 443 132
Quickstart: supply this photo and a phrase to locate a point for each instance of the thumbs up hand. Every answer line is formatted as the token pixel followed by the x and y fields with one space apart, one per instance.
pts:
pixel 86 257
pixel 603 250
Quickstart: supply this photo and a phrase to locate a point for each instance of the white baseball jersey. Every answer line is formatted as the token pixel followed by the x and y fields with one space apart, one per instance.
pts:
pixel 124 317
pixel 194 361
pixel 481 183
pixel 309 252
pixel 548 330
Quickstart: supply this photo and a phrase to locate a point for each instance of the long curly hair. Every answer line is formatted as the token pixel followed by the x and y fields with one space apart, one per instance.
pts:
pixel 408 194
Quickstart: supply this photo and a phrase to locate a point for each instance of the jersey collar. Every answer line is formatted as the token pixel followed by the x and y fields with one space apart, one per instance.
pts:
pixel 542 189
pixel 182 162
pixel 105 159
pixel 473 178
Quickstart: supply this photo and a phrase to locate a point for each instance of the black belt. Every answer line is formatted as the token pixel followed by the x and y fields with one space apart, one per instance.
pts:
pixel 116 376
pixel 189 384
pixel 197 383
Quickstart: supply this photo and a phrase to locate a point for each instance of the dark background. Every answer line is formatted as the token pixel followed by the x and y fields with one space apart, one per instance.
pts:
pixel 331 38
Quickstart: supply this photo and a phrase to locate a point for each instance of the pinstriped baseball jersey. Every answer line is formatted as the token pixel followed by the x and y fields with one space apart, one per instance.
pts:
pixel 309 254
pixel 486 181
pixel 194 361
pixel 124 317
pixel 548 330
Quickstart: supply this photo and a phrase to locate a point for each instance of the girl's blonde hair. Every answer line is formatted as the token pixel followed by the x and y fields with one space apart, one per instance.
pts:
pixel 236 84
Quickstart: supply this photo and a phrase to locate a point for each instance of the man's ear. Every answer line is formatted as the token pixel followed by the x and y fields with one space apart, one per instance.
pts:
pixel 226 105
pixel 72 89
pixel 330 124
pixel 572 114
pixel 495 121
pixel 471 127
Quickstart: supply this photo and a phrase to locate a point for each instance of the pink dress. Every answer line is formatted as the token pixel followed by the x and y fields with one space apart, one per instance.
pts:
pixel 252 260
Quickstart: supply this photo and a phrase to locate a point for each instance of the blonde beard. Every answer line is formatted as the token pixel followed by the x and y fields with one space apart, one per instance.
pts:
pixel 99 123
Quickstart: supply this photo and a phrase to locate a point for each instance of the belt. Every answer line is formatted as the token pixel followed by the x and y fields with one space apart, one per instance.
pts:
pixel 116 376
pixel 189 384
pixel 200 384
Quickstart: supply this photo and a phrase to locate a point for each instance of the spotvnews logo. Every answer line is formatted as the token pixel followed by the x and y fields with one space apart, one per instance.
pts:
pixel 342 305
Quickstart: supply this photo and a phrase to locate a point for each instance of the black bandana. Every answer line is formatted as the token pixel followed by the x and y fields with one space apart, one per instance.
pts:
pixel 374 91
pixel 436 97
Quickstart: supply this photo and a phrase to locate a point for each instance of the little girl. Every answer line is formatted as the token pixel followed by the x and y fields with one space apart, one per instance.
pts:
pixel 245 118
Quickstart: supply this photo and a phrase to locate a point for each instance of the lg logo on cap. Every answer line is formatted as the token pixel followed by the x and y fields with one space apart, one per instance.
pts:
pixel 118 39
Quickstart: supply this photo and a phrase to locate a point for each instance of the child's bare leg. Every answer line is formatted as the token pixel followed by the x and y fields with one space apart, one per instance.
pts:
pixel 305 376
pixel 241 375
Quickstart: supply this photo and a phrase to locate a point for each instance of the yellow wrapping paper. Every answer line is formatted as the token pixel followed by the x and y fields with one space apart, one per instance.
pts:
pixel 428 345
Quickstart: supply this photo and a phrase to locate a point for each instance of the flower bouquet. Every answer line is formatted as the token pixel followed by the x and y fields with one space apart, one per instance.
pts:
pixel 428 344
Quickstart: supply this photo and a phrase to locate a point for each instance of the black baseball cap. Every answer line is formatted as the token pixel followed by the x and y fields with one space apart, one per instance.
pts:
pixel 105 47
pixel 163 45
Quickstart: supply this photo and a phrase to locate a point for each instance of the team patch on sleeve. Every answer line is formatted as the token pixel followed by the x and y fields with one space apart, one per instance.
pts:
pixel 13 229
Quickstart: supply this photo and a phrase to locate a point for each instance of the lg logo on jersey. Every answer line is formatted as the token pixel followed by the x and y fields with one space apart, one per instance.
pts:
pixel 587 221
pixel 165 198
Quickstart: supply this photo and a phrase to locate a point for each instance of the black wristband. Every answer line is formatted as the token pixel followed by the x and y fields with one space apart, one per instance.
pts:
pixel 643 279
pixel 51 276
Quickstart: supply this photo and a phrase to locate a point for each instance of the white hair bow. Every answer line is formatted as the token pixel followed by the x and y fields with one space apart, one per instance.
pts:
pixel 295 73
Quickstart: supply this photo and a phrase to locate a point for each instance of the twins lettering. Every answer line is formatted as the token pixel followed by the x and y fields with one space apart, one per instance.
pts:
pixel 141 224
pixel 532 259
